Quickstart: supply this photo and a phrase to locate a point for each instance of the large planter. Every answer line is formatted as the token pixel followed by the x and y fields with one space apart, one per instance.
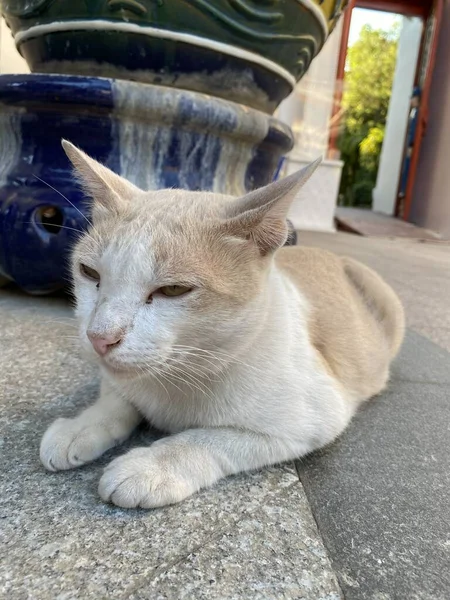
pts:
pixel 154 136
pixel 250 51
pixel 194 84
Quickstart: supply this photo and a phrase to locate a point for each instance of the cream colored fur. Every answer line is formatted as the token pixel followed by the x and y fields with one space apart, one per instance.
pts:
pixel 265 360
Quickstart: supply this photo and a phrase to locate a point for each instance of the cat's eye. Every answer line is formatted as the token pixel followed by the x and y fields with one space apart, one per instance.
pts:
pixel 174 290
pixel 90 273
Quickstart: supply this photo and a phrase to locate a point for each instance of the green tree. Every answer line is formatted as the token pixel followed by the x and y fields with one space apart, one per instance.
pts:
pixel 367 90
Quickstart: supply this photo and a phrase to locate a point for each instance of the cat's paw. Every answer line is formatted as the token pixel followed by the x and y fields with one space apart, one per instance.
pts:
pixel 70 443
pixel 145 478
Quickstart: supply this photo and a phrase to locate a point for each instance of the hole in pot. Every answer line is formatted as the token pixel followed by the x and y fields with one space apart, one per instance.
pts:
pixel 50 218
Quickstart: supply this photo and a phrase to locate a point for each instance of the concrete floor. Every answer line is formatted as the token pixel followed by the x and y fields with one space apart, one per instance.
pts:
pixel 250 537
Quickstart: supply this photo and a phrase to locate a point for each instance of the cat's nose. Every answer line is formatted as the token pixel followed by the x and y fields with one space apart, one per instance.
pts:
pixel 104 343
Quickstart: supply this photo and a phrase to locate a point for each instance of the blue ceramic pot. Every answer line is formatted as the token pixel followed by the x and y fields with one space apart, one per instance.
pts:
pixel 154 136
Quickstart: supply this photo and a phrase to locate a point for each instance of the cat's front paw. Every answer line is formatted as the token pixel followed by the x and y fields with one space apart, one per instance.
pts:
pixel 70 443
pixel 146 478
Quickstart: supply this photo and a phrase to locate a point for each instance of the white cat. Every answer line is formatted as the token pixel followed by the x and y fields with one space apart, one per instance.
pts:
pixel 248 353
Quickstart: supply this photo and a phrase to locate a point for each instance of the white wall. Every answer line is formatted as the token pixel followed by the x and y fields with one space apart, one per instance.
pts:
pixel 10 59
pixel 314 206
pixel 308 109
pixel 308 112
pixel 385 192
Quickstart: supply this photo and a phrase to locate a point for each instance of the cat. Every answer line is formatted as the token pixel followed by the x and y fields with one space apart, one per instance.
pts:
pixel 247 353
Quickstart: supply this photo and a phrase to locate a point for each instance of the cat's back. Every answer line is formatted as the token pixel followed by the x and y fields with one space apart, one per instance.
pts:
pixel 356 320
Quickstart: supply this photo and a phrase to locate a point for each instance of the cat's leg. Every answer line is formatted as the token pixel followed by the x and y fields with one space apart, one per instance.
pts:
pixel 70 443
pixel 175 467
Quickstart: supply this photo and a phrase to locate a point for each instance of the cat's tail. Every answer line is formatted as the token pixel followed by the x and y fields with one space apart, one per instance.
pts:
pixel 381 300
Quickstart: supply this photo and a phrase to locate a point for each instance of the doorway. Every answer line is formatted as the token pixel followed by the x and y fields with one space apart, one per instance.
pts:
pixel 384 72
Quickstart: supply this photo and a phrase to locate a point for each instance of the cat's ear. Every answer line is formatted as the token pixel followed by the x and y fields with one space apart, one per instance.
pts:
pixel 109 191
pixel 261 215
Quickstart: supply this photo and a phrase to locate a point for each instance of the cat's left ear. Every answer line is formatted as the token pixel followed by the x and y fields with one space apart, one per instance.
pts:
pixel 109 191
pixel 261 215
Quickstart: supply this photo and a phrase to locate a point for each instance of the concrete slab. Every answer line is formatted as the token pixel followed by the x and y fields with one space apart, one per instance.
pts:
pixel 251 536
pixel 411 366
pixel 380 493
pixel 367 222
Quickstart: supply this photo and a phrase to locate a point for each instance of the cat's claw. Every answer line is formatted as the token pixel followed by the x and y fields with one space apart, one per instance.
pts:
pixel 71 443
pixel 144 478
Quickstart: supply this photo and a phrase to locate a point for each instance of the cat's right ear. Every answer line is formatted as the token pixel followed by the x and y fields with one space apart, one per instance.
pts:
pixel 109 191
pixel 260 216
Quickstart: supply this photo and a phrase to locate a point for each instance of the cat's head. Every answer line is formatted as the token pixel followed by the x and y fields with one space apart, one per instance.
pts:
pixel 167 277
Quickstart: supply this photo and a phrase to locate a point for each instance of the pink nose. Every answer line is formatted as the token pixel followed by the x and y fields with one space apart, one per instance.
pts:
pixel 103 343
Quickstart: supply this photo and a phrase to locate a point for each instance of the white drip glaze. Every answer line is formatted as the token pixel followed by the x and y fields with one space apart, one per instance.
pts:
pixel 10 142
pixel 140 136
pixel 10 150
pixel 235 156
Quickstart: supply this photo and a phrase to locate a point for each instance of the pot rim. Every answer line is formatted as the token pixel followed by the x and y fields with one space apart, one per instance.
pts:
pixel 36 31
pixel 116 98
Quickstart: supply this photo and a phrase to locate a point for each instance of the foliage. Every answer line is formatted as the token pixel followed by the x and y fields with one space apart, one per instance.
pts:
pixel 370 148
pixel 368 82
pixel 362 193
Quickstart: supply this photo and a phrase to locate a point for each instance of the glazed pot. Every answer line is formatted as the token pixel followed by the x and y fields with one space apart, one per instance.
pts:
pixel 248 51
pixel 154 136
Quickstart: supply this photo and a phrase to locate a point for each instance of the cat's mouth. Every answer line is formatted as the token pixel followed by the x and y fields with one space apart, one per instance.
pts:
pixel 114 365
pixel 119 370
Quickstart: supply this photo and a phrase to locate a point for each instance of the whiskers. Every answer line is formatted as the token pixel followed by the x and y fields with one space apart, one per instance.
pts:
pixel 65 198
pixel 66 321
pixel 63 329
pixel 216 357
pixel 82 232
pixel 154 372
pixel 182 378
pixel 193 370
